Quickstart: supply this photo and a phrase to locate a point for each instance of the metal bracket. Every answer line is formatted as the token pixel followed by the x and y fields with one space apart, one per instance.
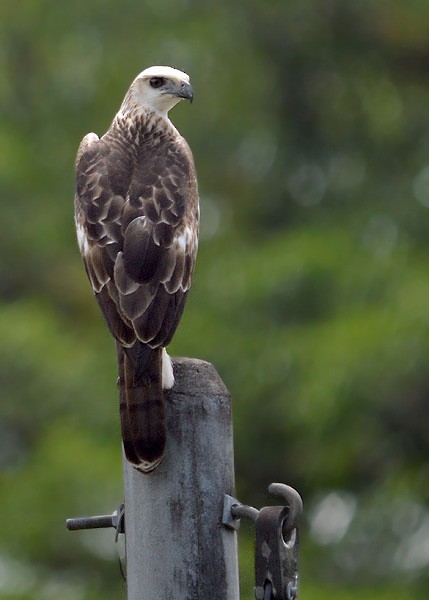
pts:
pixel 277 541
pixel 277 544
pixel 234 511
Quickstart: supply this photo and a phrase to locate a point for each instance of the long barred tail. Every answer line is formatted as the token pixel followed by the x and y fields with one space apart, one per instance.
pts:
pixel 142 405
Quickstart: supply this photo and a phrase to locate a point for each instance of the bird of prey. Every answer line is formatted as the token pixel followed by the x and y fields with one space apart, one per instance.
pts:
pixel 137 219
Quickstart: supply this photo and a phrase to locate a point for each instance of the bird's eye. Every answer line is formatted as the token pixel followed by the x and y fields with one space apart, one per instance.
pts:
pixel 157 82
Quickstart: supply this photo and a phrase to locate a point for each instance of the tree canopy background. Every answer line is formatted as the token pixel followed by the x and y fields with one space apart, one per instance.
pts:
pixel 311 139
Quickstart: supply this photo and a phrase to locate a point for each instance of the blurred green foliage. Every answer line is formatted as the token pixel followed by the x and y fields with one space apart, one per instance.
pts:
pixel 310 134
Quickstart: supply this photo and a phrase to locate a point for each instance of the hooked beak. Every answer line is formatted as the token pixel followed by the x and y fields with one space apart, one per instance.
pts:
pixel 185 91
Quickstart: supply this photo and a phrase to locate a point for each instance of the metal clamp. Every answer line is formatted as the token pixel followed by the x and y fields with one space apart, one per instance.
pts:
pixel 277 542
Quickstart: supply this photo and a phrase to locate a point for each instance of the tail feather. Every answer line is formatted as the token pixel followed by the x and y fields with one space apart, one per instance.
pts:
pixel 142 406
pixel 125 422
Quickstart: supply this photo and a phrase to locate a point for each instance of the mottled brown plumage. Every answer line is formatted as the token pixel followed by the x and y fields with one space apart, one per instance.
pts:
pixel 136 212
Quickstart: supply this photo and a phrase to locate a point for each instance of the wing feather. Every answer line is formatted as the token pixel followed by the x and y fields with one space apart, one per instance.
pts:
pixel 148 324
pixel 134 305
pixel 173 315
pixel 120 330
pixel 175 282
pixel 141 252
pixel 125 284
pixel 137 230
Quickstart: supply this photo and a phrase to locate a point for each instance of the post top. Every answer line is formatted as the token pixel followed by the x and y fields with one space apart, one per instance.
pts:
pixel 195 377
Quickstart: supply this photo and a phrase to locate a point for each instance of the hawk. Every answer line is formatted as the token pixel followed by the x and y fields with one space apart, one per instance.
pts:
pixel 137 219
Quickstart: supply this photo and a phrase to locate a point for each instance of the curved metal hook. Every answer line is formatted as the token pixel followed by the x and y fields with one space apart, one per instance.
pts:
pixel 293 501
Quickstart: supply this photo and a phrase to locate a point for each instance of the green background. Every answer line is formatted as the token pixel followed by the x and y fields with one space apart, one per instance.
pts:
pixel 311 296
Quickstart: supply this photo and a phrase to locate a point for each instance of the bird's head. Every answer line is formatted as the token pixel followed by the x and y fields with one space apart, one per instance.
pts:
pixel 161 88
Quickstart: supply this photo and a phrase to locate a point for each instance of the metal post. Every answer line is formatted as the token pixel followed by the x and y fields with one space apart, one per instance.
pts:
pixel 176 545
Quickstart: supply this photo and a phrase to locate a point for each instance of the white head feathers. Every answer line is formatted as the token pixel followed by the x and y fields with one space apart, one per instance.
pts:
pixel 159 88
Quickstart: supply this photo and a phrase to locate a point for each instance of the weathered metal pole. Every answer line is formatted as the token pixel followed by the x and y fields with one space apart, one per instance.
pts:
pixel 176 546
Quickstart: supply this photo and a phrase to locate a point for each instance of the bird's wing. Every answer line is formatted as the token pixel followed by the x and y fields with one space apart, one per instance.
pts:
pixel 160 226
pixel 137 232
pixel 98 212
